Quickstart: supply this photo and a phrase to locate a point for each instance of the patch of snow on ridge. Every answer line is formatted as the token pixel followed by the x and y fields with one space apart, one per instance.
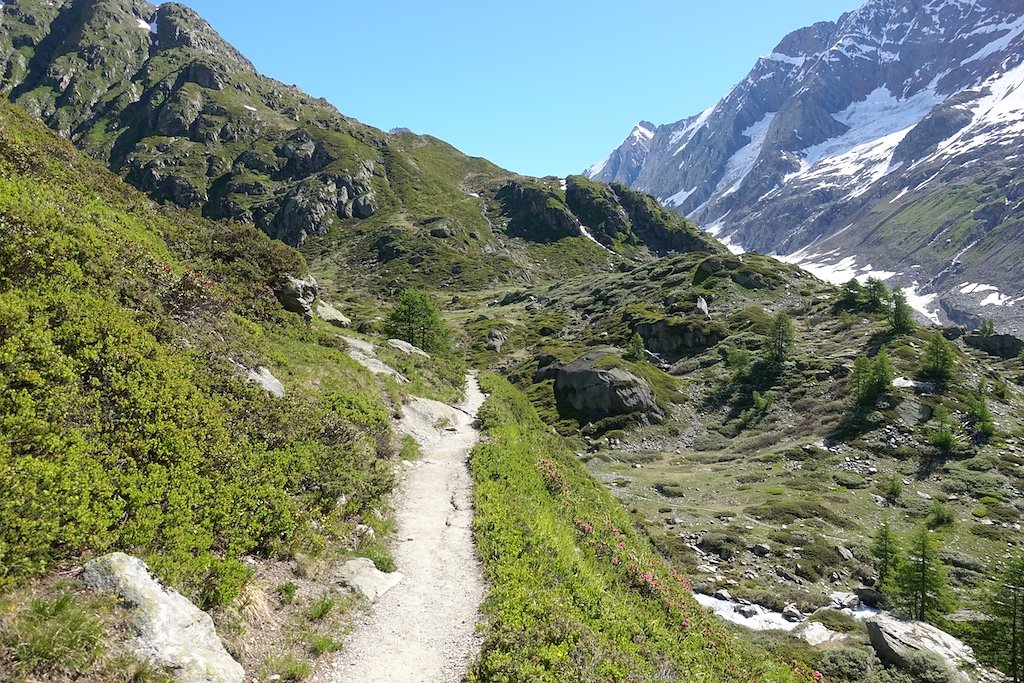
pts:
pixel 678 198
pixel 975 288
pixel 598 167
pixel 689 130
pixel 877 124
pixel 922 303
pixel 998 116
pixel 142 23
pixel 586 233
pixel 1013 30
pixel 824 266
pixel 742 161
pixel 786 59
pixel 996 299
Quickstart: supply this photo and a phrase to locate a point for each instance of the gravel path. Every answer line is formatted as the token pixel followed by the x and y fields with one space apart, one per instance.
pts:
pixel 424 630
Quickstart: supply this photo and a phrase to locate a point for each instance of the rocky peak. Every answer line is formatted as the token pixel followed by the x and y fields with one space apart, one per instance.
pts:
pixel 843 125
pixel 179 26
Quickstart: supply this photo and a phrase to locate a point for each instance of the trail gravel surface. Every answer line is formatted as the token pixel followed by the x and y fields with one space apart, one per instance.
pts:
pixel 424 629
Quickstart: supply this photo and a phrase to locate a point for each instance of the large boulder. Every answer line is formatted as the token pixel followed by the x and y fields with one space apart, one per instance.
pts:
pixel 406 347
pixel 902 642
pixel 597 393
pixel 297 295
pixel 1001 345
pixel 166 629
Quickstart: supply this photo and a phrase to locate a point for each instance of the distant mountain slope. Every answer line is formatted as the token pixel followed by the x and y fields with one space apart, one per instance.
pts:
pixel 885 142
pixel 163 100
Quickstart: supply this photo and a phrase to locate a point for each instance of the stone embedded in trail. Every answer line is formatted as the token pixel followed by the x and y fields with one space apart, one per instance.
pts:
pixel 167 629
pixel 362 576
pixel 603 392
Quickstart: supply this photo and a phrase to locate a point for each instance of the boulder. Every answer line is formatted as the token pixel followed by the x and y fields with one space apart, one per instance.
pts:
pixel 597 393
pixel 791 613
pixel 678 336
pixel 1001 345
pixel 332 315
pixel 166 629
pixel 266 379
pixel 362 576
pixel 870 597
pixel 845 554
pixel 900 641
pixel 816 633
pixel 761 549
pixel 297 295
pixel 495 340
pixel 364 206
pixel 406 347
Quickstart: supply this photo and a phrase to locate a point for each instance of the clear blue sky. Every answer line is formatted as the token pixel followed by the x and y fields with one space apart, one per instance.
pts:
pixel 541 88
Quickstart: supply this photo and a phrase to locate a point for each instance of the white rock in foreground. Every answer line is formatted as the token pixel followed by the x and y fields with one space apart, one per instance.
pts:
pixel 168 630
pixel 266 379
pixel 364 578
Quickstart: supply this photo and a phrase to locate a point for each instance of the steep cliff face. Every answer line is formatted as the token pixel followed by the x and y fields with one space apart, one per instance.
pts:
pixel 885 142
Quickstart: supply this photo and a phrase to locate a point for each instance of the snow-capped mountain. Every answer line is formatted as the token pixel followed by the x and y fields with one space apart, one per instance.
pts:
pixel 888 142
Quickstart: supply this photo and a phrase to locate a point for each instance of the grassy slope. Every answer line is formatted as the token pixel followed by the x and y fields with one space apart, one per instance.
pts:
pixel 577 592
pixel 125 421
pixel 804 473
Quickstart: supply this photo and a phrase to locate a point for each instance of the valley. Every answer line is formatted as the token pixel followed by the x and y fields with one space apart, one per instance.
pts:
pixel 346 404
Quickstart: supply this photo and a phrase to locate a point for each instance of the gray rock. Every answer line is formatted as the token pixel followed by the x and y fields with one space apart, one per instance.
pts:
pixel 896 641
pixel 844 553
pixel 1001 345
pixel 597 393
pixel 722 594
pixel 761 549
pixel 791 613
pixel 332 315
pixel 870 597
pixel 364 206
pixel 406 347
pixel 442 232
pixel 363 577
pixel 297 295
pixel 266 379
pixel 167 629
pixel 495 340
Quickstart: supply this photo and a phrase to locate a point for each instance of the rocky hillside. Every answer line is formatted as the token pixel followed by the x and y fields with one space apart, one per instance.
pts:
pixel 885 142
pixel 166 103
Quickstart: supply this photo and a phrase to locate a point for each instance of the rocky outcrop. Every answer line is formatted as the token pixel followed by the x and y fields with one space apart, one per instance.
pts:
pixel 674 336
pixel 901 642
pixel 362 576
pixel 406 347
pixel 166 629
pixel 595 393
pixel 297 295
pixel 1001 345
pixel 263 377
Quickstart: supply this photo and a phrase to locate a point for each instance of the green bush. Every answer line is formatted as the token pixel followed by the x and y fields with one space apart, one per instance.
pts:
pixel 846 664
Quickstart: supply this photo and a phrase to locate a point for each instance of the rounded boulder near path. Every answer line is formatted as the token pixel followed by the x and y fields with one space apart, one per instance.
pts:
pixel 424 630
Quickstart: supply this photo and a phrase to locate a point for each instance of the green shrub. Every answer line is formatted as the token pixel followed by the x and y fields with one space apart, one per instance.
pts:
pixel 320 608
pixel 846 664
pixel 288 668
pixel 837 621
pixel 850 480
pixel 320 644
pixel 286 591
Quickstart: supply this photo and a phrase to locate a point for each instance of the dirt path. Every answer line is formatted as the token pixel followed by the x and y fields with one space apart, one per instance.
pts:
pixel 424 630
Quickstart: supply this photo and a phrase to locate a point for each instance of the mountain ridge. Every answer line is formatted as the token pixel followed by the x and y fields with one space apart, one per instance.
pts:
pixel 881 138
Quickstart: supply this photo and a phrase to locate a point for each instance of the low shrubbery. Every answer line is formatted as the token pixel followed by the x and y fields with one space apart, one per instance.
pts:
pixel 577 593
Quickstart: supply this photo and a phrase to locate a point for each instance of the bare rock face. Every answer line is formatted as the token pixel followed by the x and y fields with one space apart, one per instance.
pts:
pixel 902 642
pixel 598 393
pixel 167 629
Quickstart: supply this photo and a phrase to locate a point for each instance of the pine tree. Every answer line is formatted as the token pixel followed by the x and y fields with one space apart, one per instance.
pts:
pixel 922 587
pixel 988 327
pixel 417 319
pixel 882 374
pixel 939 359
pixel 780 338
pixel 901 315
pixel 1002 638
pixel 872 378
pixel 885 548
pixel 635 348
pixel 878 294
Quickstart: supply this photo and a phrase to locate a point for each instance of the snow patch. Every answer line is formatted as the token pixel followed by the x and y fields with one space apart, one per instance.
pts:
pixel 996 299
pixel 743 160
pixel 678 198
pixel 922 303
pixel 249 107
pixel 824 266
pixel 973 288
pixel 598 167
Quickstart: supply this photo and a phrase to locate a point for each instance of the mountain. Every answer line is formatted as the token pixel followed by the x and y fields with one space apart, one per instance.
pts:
pixel 884 143
pixel 166 103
